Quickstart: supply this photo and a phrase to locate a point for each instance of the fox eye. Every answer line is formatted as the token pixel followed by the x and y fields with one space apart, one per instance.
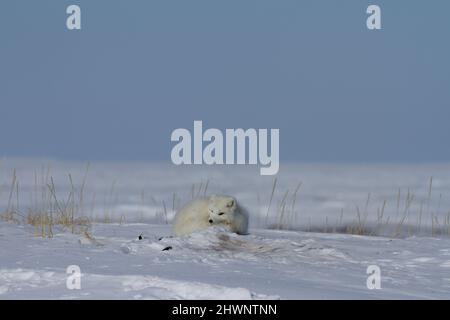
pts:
pixel 230 204
pixel 221 213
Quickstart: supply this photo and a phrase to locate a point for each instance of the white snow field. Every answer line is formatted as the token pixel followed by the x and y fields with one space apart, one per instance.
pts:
pixel 400 211
pixel 215 264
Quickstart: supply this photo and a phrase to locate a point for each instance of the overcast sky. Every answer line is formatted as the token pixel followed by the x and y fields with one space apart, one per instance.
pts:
pixel 137 70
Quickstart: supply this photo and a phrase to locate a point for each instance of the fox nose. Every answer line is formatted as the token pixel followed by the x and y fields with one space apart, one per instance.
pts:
pixel 210 221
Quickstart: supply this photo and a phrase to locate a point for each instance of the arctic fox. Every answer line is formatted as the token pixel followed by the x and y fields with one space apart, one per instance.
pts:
pixel 216 210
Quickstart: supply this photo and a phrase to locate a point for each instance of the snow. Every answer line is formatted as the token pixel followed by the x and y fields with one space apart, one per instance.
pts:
pixel 215 264
pixel 146 192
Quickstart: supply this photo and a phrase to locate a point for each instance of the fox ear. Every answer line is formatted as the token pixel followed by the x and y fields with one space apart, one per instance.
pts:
pixel 230 204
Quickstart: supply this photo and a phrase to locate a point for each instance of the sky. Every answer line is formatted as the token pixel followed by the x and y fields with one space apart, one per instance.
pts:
pixel 137 70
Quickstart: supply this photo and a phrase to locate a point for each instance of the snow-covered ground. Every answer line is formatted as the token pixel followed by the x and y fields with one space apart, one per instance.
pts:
pixel 266 264
pixel 329 195
pixel 215 264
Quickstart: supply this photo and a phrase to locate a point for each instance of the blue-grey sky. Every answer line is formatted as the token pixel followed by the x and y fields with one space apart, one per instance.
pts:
pixel 137 70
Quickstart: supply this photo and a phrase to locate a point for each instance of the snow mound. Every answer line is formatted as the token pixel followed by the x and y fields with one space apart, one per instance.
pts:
pixel 219 244
pixel 171 289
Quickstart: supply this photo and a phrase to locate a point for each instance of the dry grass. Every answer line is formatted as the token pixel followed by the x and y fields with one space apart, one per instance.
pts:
pixel 399 224
pixel 48 210
pixel 286 214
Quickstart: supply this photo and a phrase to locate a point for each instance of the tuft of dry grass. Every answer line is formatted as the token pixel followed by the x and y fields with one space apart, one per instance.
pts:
pixel 11 210
pixel 49 211
pixel 286 215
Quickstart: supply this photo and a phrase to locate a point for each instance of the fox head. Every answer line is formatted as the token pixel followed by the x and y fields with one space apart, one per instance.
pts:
pixel 221 209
